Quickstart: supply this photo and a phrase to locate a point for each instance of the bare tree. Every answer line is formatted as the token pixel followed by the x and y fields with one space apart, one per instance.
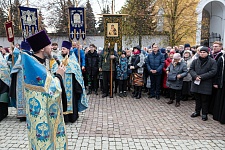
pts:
pixel 58 14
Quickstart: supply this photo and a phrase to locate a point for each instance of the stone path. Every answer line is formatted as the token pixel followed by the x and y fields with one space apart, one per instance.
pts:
pixel 127 123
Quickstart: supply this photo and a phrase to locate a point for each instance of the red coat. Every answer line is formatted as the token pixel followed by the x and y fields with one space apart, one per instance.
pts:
pixel 166 64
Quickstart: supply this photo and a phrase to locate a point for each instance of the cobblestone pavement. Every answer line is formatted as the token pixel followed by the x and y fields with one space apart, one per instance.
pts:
pixel 127 123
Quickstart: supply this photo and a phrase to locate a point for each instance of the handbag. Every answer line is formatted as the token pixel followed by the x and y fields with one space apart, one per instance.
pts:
pixel 172 76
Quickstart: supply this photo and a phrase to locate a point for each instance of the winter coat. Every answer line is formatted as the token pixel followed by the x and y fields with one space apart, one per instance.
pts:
pixel 121 69
pixel 155 62
pixel 92 61
pixel 207 72
pixel 179 69
pixel 104 61
pixel 138 62
pixel 166 65
pixel 188 62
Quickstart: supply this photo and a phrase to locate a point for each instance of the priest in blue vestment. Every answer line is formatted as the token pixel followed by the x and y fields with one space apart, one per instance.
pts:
pixel 74 84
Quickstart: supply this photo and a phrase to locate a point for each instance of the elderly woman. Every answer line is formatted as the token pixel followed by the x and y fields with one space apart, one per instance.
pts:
pixel 176 71
pixel 136 63
pixel 187 56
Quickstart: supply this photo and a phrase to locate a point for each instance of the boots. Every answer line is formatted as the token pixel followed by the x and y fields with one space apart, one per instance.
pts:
pixel 124 93
pixel 139 95
pixel 139 92
pixel 135 93
pixel 177 104
pixel 170 102
pixel 121 94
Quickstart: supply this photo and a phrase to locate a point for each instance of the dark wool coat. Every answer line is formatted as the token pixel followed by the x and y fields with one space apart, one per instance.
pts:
pixel 92 62
pixel 207 72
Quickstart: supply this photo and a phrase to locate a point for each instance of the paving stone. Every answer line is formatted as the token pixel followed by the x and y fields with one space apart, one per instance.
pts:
pixel 125 123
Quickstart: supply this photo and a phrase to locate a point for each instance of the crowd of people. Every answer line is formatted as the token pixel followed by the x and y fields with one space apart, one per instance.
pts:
pixel 179 73
pixel 47 84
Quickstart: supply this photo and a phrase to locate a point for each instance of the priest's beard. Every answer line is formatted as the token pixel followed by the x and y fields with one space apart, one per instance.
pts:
pixel 47 56
pixel 64 55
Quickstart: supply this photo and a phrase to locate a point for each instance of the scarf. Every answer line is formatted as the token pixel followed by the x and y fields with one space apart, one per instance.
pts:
pixel 136 53
pixel 203 60
pixel 215 55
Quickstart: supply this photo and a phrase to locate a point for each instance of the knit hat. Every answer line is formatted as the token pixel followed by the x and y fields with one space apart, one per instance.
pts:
pixel 163 50
pixel 25 46
pixel 137 47
pixel 186 45
pixel 206 49
pixel 123 52
pixel 172 52
pixel 38 41
pixel 66 44
pixel 176 56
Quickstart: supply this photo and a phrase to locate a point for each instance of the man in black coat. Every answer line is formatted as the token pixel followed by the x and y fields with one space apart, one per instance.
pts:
pixel 92 61
pixel 203 71
pixel 216 54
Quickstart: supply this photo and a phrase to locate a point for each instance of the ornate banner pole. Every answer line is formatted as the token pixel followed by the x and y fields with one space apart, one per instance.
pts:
pixel 10 32
pixel 112 39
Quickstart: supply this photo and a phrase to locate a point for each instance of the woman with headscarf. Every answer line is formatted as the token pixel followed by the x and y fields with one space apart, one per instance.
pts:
pixel 136 63
pixel 176 71
pixel 187 56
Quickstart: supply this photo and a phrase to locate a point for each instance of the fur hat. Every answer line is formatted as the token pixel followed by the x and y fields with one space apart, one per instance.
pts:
pixel 38 41
pixel 176 56
pixel 67 44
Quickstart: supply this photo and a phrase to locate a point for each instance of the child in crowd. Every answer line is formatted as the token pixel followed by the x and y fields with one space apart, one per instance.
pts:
pixel 122 75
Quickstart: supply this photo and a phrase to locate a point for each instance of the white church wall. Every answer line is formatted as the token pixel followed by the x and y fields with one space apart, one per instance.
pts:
pixel 99 41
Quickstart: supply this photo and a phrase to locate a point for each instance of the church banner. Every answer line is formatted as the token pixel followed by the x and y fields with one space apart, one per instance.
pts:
pixel 9 31
pixel 29 21
pixel 77 23
pixel 113 32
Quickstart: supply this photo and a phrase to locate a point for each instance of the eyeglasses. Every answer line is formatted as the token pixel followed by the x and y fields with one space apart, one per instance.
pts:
pixel 155 47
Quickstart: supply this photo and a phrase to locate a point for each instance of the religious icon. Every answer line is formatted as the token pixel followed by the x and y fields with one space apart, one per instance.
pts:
pixel 10 32
pixel 76 18
pixel 29 18
pixel 112 29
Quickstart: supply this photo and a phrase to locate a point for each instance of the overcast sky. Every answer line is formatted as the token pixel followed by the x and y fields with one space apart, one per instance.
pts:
pixel 95 6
